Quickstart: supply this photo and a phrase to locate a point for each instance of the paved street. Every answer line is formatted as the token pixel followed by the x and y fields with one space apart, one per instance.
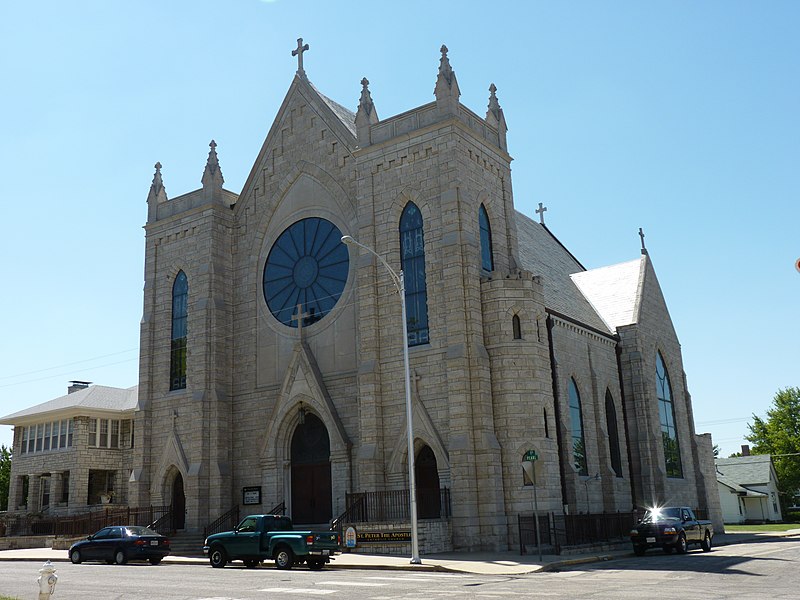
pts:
pixel 741 571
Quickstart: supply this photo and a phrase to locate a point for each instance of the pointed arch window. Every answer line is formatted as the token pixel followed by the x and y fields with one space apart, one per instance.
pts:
pixel 613 434
pixel 576 420
pixel 177 359
pixel 487 258
pixel 412 255
pixel 666 415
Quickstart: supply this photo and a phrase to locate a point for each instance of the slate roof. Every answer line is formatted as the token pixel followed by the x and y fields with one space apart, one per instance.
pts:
pixel 345 115
pixel 743 491
pixel 93 398
pixel 542 254
pixel 746 470
pixel 614 291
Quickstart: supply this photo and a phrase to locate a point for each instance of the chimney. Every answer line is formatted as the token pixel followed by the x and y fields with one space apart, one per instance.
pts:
pixel 745 449
pixel 77 386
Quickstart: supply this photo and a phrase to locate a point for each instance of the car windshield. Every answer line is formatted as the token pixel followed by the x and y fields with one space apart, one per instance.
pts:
pixel 660 514
pixel 141 531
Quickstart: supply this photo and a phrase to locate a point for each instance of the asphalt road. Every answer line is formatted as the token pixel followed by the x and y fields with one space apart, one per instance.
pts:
pixel 743 571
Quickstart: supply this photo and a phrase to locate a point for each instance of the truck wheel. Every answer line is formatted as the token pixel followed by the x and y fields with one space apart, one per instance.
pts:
pixel 218 558
pixel 681 546
pixel 284 557
pixel 315 564
pixel 639 550
pixel 706 543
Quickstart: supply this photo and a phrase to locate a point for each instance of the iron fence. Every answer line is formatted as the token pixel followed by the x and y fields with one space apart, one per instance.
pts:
pixel 84 524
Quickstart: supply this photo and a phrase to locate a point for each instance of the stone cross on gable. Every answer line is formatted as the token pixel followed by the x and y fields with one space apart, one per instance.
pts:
pixel 540 211
pixel 299 54
pixel 641 235
pixel 299 316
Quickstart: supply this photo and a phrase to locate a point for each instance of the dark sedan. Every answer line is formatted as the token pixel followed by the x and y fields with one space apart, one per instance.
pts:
pixel 121 544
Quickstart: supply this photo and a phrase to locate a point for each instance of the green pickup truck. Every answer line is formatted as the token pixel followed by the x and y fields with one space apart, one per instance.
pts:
pixel 263 537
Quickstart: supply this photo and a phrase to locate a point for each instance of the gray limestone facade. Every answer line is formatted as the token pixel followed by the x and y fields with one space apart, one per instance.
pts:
pixel 523 349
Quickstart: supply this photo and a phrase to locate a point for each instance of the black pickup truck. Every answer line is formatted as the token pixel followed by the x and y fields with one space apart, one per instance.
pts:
pixel 671 528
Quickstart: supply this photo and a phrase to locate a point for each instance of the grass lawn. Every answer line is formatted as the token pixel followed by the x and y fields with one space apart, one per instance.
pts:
pixel 8 598
pixel 765 527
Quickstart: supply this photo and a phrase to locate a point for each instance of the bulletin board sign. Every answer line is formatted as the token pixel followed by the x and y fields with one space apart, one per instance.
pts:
pixel 251 495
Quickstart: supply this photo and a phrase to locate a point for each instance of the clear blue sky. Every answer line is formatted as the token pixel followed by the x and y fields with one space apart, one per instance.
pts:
pixel 677 117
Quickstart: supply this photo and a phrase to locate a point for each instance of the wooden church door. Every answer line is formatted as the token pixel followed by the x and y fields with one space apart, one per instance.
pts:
pixel 311 472
pixel 427 479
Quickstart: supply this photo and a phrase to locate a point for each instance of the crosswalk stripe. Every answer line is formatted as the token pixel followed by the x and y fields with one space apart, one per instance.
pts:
pixel 352 583
pixel 307 591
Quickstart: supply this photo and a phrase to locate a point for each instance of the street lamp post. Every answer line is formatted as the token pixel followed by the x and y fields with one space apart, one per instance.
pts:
pixel 399 283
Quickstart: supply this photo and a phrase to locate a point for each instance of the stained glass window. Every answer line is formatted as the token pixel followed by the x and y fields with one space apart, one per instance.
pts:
pixel 306 266
pixel 180 313
pixel 412 254
pixel 613 434
pixel 576 420
pixel 666 415
pixel 487 260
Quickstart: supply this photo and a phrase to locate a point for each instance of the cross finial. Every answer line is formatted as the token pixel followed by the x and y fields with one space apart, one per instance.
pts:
pixel 641 235
pixel 300 316
pixel 299 54
pixel 540 211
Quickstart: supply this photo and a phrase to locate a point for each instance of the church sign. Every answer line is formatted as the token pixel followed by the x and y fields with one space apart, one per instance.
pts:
pixel 251 495
pixel 377 537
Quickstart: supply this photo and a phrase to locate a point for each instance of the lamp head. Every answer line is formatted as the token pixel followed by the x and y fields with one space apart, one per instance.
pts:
pixel 348 239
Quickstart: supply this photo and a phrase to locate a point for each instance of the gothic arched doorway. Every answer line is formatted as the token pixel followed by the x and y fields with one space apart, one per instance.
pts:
pixel 178 503
pixel 311 472
pixel 426 475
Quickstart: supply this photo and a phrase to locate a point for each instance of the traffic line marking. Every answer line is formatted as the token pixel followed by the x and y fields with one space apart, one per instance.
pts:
pixel 353 583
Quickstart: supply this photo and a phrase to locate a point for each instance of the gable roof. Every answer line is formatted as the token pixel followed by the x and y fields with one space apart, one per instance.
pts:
pixel 740 490
pixel 95 398
pixel 614 291
pixel 345 115
pixel 746 470
pixel 542 254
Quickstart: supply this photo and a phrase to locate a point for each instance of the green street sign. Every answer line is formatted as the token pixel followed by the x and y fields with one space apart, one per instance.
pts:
pixel 531 456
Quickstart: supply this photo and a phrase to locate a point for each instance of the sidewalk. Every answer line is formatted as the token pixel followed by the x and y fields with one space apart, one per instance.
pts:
pixel 479 563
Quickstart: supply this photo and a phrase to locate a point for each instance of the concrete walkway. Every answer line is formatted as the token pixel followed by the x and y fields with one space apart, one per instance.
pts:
pixel 481 563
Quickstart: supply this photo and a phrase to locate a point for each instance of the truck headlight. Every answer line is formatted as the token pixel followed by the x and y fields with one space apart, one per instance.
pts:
pixel 634 532
pixel 670 531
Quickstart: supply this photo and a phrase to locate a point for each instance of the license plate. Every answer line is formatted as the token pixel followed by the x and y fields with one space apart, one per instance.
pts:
pixel 326 552
pixel 154 542
pixel 651 540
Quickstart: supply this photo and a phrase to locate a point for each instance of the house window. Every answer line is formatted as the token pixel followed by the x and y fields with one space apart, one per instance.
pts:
pixel 69 433
pixel 104 433
pixel 613 434
pixel 65 487
pixel 576 420
pixel 24 447
pixel 180 301
pixel 666 415
pixel 46 437
pixel 32 438
pixel 63 440
pixel 412 255
pixel 39 437
pixel 487 260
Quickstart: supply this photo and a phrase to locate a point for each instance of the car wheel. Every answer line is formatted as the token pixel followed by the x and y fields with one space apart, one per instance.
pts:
pixel 119 557
pixel 251 563
pixel 681 546
pixel 315 564
pixel 639 550
pixel 75 557
pixel 155 561
pixel 218 558
pixel 284 558
pixel 706 543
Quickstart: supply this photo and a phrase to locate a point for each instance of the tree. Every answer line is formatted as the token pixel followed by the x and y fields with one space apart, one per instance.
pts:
pixel 779 435
pixel 5 476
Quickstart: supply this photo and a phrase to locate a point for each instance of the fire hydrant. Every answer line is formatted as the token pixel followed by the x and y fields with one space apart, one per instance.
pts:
pixel 47 581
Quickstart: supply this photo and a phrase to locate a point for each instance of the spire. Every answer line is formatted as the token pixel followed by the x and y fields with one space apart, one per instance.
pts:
pixel 212 175
pixel 446 91
pixel 366 115
pixel 495 117
pixel 157 194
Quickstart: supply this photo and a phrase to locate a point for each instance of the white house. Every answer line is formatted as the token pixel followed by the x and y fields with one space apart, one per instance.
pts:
pixel 748 489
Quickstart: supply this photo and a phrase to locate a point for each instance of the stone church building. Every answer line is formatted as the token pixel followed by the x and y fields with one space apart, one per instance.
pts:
pixel 271 362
